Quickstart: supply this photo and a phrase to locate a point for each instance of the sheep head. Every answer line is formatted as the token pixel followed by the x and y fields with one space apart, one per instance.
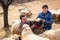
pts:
pixel 38 22
pixel 26 30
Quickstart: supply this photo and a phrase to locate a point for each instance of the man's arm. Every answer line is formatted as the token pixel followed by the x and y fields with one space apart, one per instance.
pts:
pixel 50 20
pixel 39 16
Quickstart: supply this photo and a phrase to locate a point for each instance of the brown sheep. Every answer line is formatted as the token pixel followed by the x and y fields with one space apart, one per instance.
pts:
pixel 12 37
pixel 58 17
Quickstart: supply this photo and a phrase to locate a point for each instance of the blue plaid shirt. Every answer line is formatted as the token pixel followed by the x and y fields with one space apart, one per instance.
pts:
pixel 48 19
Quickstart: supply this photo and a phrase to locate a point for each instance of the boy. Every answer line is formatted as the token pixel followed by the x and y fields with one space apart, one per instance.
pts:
pixel 47 17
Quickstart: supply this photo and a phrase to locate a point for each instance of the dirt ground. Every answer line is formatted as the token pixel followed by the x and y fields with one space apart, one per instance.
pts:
pixel 34 7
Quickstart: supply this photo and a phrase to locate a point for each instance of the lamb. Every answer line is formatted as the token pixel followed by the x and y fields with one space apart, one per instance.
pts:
pixel 38 26
pixel 15 27
pixel 27 34
pixel 14 22
pixel 25 12
pixel 53 34
pixel 13 37
pixel 21 8
pixel 56 15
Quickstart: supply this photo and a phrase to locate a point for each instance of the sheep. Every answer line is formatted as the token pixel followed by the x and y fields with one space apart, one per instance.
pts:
pixel 12 37
pixel 56 15
pixel 15 27
pixel 36 26
pixel 39 24
pixel 25 12
pixel 55 11
pixel 53 34
pixel 14 22
pixel 15 37
pixel 27 34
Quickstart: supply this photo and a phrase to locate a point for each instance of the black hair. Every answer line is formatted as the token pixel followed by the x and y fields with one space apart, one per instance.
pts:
pixel 45 6
pixel 22 16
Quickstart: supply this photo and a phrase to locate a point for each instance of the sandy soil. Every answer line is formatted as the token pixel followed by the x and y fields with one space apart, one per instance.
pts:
pixel 34 7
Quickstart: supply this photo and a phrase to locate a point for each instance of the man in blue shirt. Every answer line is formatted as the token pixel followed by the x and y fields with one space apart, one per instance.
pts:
pixel 47 17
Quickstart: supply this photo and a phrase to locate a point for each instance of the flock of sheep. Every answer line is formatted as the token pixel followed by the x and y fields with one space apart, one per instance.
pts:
pixel 26 32
pixel 25 11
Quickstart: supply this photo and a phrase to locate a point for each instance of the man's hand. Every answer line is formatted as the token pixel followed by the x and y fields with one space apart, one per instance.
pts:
pixel 43 21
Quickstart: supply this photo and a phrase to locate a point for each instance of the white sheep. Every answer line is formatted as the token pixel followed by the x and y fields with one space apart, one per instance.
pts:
pixel 25 12
pixel 55 11
pixel 53 34
pixel 15 22
pixel 27 34
pixel 12 37
pixel 15 27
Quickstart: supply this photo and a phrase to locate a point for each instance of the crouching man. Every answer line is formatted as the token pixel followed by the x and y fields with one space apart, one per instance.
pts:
pixel 47 17
pixel 18 28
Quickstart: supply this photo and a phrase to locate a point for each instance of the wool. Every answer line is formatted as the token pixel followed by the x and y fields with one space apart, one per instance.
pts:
pixel 27 34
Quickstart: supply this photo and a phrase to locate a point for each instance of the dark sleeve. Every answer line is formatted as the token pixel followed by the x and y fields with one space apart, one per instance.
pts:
pixel 50 20
pixel 39 15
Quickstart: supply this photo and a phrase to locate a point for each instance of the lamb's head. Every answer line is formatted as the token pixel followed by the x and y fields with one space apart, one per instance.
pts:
pixel 38 22
pixel 26 29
